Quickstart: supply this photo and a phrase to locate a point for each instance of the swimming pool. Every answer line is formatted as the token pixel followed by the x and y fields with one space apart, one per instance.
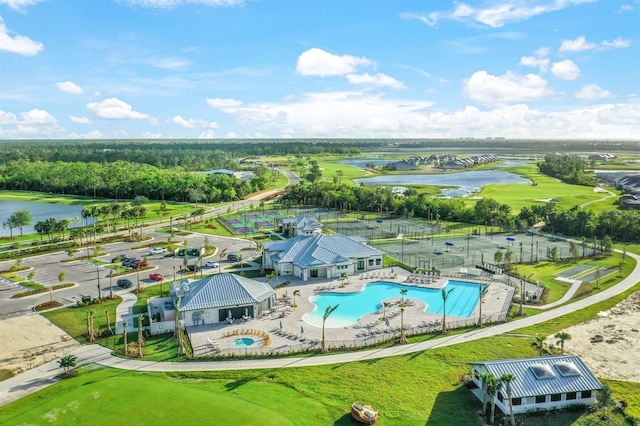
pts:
pixel 243 342
pixel 461 302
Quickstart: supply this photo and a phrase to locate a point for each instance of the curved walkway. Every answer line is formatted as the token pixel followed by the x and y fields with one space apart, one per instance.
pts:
pixel 625 284
pixel 31 381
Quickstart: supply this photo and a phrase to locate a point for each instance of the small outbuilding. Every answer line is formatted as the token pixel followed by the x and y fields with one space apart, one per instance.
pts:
pixel 541 383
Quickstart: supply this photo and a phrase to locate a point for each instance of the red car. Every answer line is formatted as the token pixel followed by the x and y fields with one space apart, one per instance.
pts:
pixel 156 277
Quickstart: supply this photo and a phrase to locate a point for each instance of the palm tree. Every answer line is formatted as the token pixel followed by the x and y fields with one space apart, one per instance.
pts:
pixel 507 379
pixel 540 339
pixel 562 337
pixel 484 377
pixel 497 257
pixel 494 385
pixel 403 339
pixel 403 293
pixel 67 362
pixel 445 296
pixel 140 336
pixel 605 398
pixel 124 336
pixel 109 329
pixel 385 305
pixel 295 293
pixel 328 312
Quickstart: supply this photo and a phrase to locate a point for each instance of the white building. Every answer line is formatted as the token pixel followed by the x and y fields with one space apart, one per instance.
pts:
pixel 541 383
pixel 320 255
pixel 300 225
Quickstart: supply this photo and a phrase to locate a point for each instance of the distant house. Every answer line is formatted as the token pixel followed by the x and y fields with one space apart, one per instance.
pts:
pixel 218 297
pixel 221 172
pixel 411 164
pixel 319 255
pixel 541 383
pixel 300 225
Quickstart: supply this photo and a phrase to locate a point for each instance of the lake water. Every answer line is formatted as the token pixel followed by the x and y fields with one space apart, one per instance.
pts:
pixel 362 163
pixel 39 211
pixel 466 182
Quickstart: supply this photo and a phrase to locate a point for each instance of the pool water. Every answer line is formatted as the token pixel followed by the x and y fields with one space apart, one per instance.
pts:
pixel 243 342
pixel 460 303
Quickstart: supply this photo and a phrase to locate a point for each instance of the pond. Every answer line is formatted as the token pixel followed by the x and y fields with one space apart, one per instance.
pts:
pixel 39 211
pixel 466 182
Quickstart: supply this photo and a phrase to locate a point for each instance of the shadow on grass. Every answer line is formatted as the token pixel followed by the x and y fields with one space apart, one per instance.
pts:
pixel 345 420
pixel 457 407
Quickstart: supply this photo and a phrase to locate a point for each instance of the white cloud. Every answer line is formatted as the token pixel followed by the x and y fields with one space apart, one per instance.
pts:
pixel 319 62
pixel 617 43
pixel 508 88
pixel 565 70
pixel 69 87
pixel 169 4
pixel 19 5
pixel 592 92
pixel 496 14
pixel 168 63
pixel 17 44
pixel 207 134
pixel 79 120
pixel 33 123
pixel 223 103
pixel 115 109
pixel 532 61
pixel 542 52
pixel 577 45
pixel 194 123
pixel 378 79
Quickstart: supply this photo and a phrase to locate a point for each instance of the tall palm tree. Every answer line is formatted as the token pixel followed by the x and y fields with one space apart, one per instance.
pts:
pixel 140 336
pixel 445 296
pixel 124 336
pixel 403 338
pixel 494 385
pixel 540 339
pixel 328 312
pixel 508 379
pixel 385 305
pixel 295 293
pixel 562 337
pixel 484 377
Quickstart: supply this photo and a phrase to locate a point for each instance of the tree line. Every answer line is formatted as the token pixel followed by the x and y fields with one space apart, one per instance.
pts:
pixel 126 180
pixel 619 225
pixel 569 168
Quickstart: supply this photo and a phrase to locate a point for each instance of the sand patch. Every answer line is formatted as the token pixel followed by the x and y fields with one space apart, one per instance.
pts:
pixel 30 341
pixel 610 343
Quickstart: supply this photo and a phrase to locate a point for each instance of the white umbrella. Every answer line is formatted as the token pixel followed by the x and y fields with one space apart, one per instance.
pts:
pixel 246 312
pixel 229 314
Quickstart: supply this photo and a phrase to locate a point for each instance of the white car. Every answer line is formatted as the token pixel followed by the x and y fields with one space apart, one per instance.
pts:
pixel 211 264
pixel 158 250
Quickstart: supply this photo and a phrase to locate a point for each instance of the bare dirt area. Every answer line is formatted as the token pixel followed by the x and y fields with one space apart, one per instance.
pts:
pixel 610 343
pixel 30 341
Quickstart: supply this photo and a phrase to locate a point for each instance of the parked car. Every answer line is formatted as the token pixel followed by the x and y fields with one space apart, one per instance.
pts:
pixel 211 264
pixel 193 268
pixel 156 277
pixel 124 283
pixel 130 261
pixel 139 264
pixel 119 258
pixel 234 257
pixel 157 250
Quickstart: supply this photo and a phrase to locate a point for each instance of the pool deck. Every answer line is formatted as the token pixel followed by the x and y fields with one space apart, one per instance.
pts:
pixel 284 324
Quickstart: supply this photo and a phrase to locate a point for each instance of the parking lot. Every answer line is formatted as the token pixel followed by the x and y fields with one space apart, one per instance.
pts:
pixel 92 280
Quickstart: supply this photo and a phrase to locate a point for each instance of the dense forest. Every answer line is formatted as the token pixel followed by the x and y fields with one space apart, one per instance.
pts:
pixel 126 180
pixel 619 225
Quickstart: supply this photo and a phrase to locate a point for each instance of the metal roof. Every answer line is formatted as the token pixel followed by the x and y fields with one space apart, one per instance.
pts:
pixel 526 383
pixel 319 249
pixel 224 290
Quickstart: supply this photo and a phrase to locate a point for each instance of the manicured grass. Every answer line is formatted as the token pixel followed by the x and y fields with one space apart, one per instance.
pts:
pixel 74 320
pixel 519 195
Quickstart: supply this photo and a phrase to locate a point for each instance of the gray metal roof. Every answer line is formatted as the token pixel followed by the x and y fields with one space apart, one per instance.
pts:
pixel 319 249
pixel 526 383
pixel 224 290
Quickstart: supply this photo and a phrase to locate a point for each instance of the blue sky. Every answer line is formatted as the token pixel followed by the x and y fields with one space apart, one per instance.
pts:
pixel 94 69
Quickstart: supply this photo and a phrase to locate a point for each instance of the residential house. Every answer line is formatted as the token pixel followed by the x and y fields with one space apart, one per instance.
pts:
pixel 320 255
pixel 541 383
